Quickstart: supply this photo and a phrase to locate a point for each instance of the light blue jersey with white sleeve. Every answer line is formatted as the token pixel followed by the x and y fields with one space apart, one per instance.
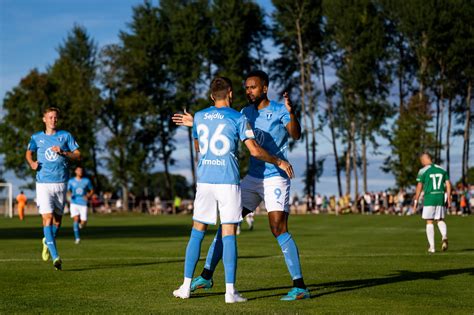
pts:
pixel 219 131
pixel 269 126
pixel 79 189
pixel 52 167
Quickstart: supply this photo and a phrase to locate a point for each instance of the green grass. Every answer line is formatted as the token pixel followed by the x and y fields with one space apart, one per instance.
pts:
pixel 132 263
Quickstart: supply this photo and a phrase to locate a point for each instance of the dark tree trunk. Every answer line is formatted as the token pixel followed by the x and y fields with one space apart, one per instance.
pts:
pixel 330 112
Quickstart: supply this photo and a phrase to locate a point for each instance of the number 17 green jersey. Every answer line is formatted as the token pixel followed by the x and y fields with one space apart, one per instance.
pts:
pixel 433 177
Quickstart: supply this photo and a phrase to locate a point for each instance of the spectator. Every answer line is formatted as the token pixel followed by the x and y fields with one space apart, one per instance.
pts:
pixel 21 204
pixel 177 204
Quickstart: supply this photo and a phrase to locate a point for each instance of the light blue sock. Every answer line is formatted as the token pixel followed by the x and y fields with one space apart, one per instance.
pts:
pixel 55 230
pixel 229 259
pixel 292 257
pixel 214 255
pixel 75 227
pixel 48 234
pixel 193 250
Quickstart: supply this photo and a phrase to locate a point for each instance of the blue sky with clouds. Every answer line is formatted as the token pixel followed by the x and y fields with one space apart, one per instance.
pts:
pixel 31 30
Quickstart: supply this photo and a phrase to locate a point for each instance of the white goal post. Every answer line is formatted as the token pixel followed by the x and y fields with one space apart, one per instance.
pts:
pixel 6 199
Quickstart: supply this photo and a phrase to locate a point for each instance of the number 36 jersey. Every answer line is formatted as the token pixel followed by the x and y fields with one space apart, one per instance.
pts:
pixel 433 177
pixel 218 131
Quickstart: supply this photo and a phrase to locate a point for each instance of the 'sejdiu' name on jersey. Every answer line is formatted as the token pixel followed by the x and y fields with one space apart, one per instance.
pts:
pixel 218 131
pixel 269 126
pixel 79 189
pixel 52 167
pixel 433 177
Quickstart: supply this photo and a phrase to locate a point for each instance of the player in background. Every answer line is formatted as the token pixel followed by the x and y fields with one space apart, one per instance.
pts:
pixel 433 180
pixel 81 190
pixel 53 149
pixel 272 123
pixel 217 131
pixel 21 204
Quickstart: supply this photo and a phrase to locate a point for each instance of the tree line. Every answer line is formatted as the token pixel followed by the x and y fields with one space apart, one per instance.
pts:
pixel 118 99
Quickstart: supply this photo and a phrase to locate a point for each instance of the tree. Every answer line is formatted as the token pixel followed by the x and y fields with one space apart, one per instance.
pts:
pixel 23 107
pixel 238 32
pixel 189 29
pixel 143 59
pixel 297 33
pixel 74 75
pixel 360 55
pixel 410 138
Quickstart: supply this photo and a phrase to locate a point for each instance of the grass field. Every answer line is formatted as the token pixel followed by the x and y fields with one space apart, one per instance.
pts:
pixel 132 263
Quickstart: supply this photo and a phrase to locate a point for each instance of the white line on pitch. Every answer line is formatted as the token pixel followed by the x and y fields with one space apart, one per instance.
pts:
pixel 244 256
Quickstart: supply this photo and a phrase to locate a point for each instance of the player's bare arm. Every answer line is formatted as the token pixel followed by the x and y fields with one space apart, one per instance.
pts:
pixel 74 155
pixel 258 152
pixel 29 158
pixel 448 192
pixel 293 127
pixel 89 194
pixel 419 188
pixel 196 146
pixel 185 119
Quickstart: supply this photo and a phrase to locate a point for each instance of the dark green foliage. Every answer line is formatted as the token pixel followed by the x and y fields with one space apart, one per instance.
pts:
pixel 410 138
pixel 77 95
pixel 24 107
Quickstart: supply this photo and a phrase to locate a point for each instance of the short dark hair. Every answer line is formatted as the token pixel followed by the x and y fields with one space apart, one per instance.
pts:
pixel 51 109
pixel 262 75
pixel 220 86
pixel 427 154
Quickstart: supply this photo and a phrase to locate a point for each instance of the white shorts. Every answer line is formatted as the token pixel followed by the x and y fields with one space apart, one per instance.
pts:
pixel 274 191
pixel 51 197
pixel 79 210
pixel 211 198
pixel 434 212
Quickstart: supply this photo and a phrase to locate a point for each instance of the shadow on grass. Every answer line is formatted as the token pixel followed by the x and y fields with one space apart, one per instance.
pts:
pixel 141 264
pixel 328 288
pixel 100 232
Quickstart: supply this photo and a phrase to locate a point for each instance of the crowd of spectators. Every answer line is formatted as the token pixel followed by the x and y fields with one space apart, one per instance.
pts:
pixel 381 202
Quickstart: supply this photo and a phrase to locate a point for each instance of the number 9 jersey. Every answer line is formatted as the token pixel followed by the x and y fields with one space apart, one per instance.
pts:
pixel 218 131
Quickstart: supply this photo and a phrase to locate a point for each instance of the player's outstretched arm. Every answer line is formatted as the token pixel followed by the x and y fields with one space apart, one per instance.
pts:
pixel 29 159
pixel 185 119
pixel 293 127
pixel 258 152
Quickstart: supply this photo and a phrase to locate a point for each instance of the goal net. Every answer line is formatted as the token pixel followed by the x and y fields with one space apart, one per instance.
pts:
pixel 6 200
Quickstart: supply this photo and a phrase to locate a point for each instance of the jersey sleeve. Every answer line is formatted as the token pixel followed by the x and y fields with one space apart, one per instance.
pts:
pixel 284 116
pixel 32 145
pixel 446 176
pixel 71 143
pixel 245 130
pixel 419 177
pixel 69 186
pixel 195 133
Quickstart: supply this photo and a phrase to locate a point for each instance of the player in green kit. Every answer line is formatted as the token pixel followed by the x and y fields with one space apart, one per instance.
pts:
pixel 433 180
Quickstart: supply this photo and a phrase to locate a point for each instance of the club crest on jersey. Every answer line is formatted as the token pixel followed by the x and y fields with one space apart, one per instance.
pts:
pixel 213 116
pixel 50 155
pixel 269 116
pixel 259 136
pixel 60 138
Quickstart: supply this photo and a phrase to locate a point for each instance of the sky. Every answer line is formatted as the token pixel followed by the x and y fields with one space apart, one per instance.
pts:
pixel 31 31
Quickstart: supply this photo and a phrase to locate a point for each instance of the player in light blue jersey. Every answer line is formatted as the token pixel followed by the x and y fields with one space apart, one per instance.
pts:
pixel 273 123
pixel 81 190
pixel 217 131
pixel 53 149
